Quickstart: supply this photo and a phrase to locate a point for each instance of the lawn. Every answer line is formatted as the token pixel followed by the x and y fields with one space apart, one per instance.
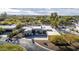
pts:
pixel 67 42
pixel 11 47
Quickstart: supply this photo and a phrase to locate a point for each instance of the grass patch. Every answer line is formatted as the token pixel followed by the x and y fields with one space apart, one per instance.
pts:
pixel 66 42
pixel 11 47
pixel 64 39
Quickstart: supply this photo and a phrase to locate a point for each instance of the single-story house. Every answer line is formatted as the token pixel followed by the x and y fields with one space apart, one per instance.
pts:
pixel 41 30
pixel 8 27
pixel 77 27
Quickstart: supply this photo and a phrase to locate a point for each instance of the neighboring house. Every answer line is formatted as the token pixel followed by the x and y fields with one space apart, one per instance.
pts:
pixel 8 27
pixel 77 26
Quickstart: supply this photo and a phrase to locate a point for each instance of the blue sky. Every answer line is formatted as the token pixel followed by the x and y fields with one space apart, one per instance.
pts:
pixel 40 11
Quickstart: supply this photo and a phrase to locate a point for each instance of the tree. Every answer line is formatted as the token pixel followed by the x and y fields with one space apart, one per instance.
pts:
pixel 3 15
pixel 19 26
pixel 1 30
pixel 54 20
pixel 14 32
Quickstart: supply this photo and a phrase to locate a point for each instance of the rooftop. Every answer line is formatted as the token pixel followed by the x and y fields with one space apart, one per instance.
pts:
pixel 49 30
pixel 43 27
pixel 8 26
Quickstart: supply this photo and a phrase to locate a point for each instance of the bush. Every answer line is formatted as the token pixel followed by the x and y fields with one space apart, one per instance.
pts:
pixel 11 47
pixel 19 26
pixel 15 32
pixel 1 30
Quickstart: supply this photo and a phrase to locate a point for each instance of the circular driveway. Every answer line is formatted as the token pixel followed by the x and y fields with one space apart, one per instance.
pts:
pixel 27 43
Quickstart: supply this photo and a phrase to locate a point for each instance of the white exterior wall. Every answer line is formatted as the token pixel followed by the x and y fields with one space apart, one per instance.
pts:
pixel 77 27
pixel 53 32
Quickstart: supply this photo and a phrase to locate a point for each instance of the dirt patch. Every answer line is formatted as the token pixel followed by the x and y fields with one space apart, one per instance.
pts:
pixel 47 44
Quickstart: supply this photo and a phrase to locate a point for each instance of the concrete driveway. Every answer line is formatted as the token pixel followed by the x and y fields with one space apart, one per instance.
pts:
pixel 27 43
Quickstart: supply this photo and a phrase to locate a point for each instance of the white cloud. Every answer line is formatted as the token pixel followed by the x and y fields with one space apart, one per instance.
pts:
pixel 7 10
pixel 28 11
pixel 40 11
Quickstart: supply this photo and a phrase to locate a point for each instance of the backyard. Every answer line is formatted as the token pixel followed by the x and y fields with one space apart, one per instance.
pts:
pixel 63 42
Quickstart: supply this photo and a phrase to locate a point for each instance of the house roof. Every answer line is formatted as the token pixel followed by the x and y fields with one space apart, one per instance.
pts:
pixel 36 27
pixel 28 29
pixel 8 26
pixel 43 27
pixel 46 27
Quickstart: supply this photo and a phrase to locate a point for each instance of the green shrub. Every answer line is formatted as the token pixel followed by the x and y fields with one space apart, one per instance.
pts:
pixel 1 30
pixel 19 26
pixel 15 32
